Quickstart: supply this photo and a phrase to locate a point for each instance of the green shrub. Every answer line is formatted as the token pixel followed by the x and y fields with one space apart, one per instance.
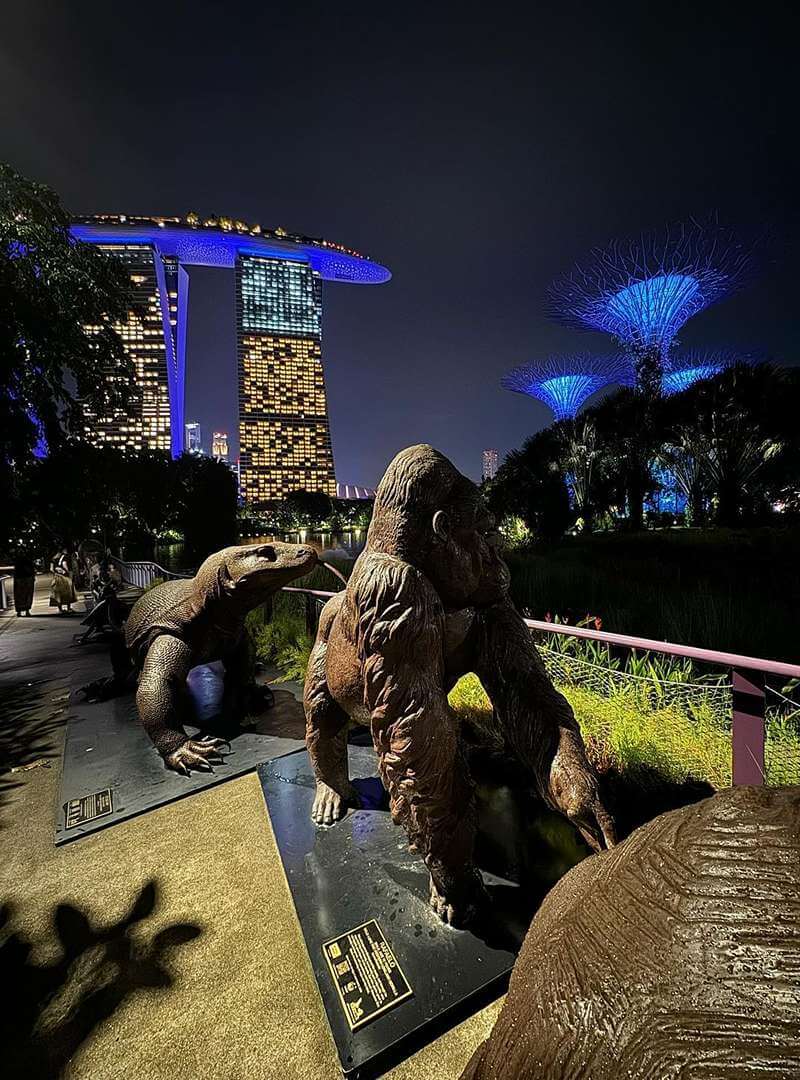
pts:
pixel 282 640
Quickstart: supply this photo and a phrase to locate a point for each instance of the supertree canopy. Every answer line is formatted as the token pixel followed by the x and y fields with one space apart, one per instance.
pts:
pixel 688 366
pixel 564 383
pixel 643 291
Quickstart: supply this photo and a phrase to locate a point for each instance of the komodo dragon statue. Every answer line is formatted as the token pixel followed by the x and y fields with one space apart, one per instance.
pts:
pixel 180 624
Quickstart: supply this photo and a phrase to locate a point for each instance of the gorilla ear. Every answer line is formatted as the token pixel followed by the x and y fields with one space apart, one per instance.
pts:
pixel 441 525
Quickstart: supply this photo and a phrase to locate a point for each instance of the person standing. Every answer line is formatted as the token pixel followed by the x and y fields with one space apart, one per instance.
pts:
pixel 24 581
pixel 62 590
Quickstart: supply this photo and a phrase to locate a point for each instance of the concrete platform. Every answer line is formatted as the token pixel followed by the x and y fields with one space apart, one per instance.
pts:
pixel 166 948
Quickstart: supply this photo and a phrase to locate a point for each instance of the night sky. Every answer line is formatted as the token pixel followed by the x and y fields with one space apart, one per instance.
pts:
pixel 475 155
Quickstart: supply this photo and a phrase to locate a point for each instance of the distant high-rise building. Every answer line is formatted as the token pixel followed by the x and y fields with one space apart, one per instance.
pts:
pixel 489 464
pixel 219 445
pixel 354 491
pixel 283 418
pixel 148 334
pixel 193 443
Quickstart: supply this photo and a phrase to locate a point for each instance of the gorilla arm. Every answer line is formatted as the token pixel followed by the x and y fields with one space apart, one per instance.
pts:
pixel 400 637
pixel 538 722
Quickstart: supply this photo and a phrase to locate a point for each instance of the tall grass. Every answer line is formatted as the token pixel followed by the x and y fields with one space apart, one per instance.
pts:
pixel 280 639
pixel 689 587
pixel 624 732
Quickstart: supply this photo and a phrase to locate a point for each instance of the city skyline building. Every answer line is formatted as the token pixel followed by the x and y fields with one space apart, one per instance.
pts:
pixel 489 460
pixel 148 334
pixel 284 433
pixel 193 441
pixel 219 445
pixel 354 491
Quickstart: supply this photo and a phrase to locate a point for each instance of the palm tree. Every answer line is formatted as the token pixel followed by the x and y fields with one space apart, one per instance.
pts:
pixel 627 426
pixel 685 460
pixel 727 426
pixel 578 456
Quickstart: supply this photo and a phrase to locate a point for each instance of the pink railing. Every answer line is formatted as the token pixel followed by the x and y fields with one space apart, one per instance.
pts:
pixel 747 674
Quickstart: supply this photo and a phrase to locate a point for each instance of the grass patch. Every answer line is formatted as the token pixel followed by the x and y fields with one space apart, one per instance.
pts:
pixel 622 732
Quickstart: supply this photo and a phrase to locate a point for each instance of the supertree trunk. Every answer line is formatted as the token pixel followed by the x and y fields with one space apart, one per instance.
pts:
pixel 649 370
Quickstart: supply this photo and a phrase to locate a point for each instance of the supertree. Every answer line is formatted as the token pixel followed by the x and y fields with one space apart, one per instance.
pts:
pixel 687 366
pixel 564 383
pixel 643 291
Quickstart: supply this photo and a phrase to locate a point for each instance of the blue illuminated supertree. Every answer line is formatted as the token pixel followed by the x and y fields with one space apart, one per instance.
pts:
pixel 687 366
pixel 564 383
pixel 643 291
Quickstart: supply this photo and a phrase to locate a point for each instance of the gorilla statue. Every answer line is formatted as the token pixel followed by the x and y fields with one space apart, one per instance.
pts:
pixel 427 602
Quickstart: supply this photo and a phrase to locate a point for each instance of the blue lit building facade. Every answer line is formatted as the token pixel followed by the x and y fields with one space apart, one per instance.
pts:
pixel 284 432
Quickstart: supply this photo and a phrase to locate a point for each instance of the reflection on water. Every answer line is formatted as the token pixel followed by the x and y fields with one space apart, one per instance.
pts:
pixel 329 546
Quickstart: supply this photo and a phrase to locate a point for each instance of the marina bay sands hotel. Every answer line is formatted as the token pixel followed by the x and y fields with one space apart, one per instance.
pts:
pixel 284 434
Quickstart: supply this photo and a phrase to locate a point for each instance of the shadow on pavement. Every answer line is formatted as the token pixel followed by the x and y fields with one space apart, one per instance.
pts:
pixel 28 729
pixel 50 1010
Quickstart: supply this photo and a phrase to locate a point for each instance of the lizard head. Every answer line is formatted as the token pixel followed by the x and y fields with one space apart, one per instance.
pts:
pixel 252 572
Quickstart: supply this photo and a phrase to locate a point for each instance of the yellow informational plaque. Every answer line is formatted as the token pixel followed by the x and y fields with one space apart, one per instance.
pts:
pixel 366 974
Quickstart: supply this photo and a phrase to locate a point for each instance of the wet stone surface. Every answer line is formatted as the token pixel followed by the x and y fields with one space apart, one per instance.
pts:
pixel 360 869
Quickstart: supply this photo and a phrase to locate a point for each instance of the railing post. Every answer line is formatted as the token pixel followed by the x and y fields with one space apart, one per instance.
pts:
pixel 748 726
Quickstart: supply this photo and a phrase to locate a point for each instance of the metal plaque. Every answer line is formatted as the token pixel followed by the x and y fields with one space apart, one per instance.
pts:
pixel 87 808
pixel 366 974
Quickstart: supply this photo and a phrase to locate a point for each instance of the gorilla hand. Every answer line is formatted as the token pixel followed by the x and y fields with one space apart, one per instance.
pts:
pixel 574 791
pixel 330 806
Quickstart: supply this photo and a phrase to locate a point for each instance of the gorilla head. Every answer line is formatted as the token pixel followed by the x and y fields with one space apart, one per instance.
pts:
pixel 431 516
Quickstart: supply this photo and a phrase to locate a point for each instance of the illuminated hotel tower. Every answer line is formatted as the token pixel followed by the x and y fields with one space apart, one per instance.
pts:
pixel 148 334
pixel 284 435
pixel 219 445
pixel 284 438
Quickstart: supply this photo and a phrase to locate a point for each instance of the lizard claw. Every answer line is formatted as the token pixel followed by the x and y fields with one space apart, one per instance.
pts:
pixel 196 754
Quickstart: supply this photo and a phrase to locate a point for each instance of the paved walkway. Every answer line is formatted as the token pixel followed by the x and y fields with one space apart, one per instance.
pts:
pixel 166 947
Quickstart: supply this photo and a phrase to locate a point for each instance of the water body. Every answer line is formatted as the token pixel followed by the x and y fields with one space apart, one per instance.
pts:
pixel 331 546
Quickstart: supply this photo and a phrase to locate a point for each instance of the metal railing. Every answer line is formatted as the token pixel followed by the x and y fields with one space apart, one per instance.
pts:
pixel 748 729
pixel 141 573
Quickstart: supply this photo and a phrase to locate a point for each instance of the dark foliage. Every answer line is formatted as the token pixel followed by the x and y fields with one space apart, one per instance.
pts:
pixel 732 442
pixel 122 499
pixel 530 484
pixel 205 510
pixel 52 290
